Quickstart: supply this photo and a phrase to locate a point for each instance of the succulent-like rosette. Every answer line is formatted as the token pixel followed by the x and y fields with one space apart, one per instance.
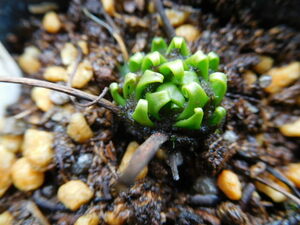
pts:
pixel 173 84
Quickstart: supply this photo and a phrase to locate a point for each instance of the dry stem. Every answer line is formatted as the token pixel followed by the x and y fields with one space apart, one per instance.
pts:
pixel 67 90
pixel 140 159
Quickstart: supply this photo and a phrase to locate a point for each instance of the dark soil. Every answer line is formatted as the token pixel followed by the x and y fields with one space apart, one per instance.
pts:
pixel 252 123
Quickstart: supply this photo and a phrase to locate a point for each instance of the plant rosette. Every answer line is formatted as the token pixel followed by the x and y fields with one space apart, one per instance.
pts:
pixel 172 90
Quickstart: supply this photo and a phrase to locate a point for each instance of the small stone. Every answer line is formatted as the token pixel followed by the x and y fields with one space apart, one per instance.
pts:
pixel 24 177
pixel 130 150
pixel 264 64
pixel 41 97
pixel 56 74
pixel 175 17
pixel 84 47
pixel 292 171
pixel 78 129
pixel 273 194
pixel 83 75
pixel 88 219
pixel 109 6
pixel 83 164
pixel 265 80
pixel 205 185
pixel 188 31
pixel 283 77
pixel 230 184
pixel 29 64
pixel 291 129
pixel 118 216
pixel 12 143
pixel 6 218
pixel 68 54
pixel 6 161
pixel 51 22
pixel 59 98
pixel 230 136
pixel 74 194
pixel 38 149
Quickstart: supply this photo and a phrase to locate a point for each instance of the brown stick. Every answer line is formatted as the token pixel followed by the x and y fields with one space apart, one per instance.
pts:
pixel 166 22
pixel 279 189
pixel 141 158
pixel 67 90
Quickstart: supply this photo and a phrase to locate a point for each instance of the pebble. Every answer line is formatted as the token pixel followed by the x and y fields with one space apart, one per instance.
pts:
pixel 292 171
pixel 264 64
pixel 283 77
pixel 78 129
pixel 205 185
pixel 24 177
pixel 6 218
pixel 82 164
pixel 6 161
pixel 291 129
pixel 188 31
pixel 51 22
pixel 74 194
pixel 88 219
pixel 38 149
pixel 41 97
pixel 230 184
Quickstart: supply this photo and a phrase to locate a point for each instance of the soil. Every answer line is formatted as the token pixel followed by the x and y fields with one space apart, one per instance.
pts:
pixel 249 137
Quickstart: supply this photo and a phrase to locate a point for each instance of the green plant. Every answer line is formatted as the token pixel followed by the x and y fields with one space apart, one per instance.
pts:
pixel 170 83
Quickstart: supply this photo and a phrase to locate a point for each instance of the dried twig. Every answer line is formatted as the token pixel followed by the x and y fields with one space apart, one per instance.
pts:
pixel 166 23
pixel 113 32
pixel 284 179
pixel 140 159
pixel 67 90
pixel 36 213
pixel 279 189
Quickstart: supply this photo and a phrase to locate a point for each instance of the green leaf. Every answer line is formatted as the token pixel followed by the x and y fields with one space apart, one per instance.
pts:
pixel 214 61
pixel 218 82
pixel 153 59
pixel 140 113
pixel 190 76
pixel 158 44
pixel 156 101
pixel 135 62
pixel 197 98
pixel 217 117
pixel 176 68
pixel 147 78
pixel 129 84
pixel 200 62
pixel 114 91
pixel 192 123
pixel 174 93
pixel 180 44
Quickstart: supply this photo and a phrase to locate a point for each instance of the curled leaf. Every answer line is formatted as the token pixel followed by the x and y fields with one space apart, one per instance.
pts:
pixel 218 82
pixel 193 122
pixel 114 90
pixel 174 93
pixel 140 113
pixel 156 101
pixel 153 59
pixel 135 62
pixel 158 44
pixel 196 96
pixel 214 61
pixel 199 61
pixel 149 77
pixel 217 117
pixel 175 68
pixel 178 43
pixel 129 84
